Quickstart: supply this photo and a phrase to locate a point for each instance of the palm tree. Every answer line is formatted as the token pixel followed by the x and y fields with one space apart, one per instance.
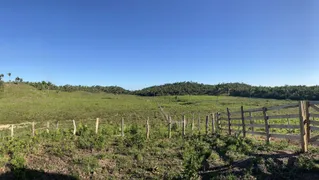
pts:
pixel 9 74
pixel 1 76
pixel 21 80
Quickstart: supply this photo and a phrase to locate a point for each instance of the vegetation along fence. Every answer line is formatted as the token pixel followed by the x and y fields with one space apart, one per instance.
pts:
pixel 295 122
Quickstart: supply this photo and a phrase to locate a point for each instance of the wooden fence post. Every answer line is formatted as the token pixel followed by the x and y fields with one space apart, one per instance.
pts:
pixel 12 130
pixel 266 125
pixel 213 123
pixel 122 127
pixel 207 121
pixel 170 127
pixel 229 123
pixel 243 120
pixel 198 124
pixel 218 122
pixel 57 125
pixel 48 127
pixel 193 122
pixel 184 125
pixel 307 123
pixel 147 128
pixel 74 127
pixel 97 125
pixel 303 113
pixel 251 121
pixel 33 129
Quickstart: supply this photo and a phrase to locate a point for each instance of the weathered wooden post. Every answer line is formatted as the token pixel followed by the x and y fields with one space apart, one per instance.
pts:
pixel 198 124
pixel 184 125
pixel 243 120
pixel 213 123
pixel 74 127
pixel 170 127
pixel 266 125
pixel 251 121
pixel 147 128
pixel 304 121
pixel 207 121
pixel 218 122
pixel 193 122
pixel 229 123
pixel 12 130
pixel 97 125
pixel 122 127
pixel 57 125
pixel 33 129
pixel 48 126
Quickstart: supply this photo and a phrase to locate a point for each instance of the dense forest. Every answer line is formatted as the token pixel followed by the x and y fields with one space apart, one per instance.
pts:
pixel 188 88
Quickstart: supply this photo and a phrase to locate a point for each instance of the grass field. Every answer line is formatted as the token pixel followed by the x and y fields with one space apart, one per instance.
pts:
pixel 106 155
pixel 23 103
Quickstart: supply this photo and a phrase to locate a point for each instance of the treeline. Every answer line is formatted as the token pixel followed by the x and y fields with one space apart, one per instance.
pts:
pixel 71 88
pixel 192 88
pixel 233 89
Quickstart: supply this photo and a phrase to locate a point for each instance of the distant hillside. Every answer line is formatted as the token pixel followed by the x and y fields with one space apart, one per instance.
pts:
pixel 193 88
pixel 233 89
pixel 71 88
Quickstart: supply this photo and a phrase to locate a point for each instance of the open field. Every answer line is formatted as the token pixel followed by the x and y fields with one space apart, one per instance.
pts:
pixel 23 103
pixel 107 155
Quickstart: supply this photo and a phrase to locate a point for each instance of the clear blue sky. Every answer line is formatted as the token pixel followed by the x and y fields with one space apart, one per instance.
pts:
pixel 138 43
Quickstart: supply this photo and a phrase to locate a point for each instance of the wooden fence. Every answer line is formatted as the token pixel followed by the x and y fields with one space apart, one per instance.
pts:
pixel 299 123
pixel 183 126
pixel 301 126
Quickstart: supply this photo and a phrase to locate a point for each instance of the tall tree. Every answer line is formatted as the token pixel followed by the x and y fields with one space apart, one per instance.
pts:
pixel 9 74
pixel 1 76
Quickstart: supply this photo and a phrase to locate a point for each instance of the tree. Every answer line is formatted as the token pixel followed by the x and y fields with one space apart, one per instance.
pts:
pixel 9 74
pixel 1 76
pixel 17 79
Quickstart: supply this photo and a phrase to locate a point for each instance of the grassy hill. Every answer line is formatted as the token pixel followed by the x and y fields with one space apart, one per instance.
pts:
pixel 20 103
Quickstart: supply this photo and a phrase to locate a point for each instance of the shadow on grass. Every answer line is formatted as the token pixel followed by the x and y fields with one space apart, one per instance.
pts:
pixel 28 174
pixel 275 169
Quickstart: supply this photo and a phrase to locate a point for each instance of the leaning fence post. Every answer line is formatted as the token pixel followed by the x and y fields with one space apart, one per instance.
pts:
pixel 33 129
pixel 122 128
pixel 184 125
pixel 97 125
pixel 147 128
pixel 303 114
pixel 74 127
pixel 229 123
pixel 213 123
pixel 266 125
pixel 243 120
pixel 207 120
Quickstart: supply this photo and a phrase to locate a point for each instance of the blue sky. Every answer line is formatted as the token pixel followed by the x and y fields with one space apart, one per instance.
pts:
pixel 138 43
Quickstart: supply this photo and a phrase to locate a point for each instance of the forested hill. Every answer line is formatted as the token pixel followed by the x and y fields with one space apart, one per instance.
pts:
pixel 192 88
pixel 233 89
